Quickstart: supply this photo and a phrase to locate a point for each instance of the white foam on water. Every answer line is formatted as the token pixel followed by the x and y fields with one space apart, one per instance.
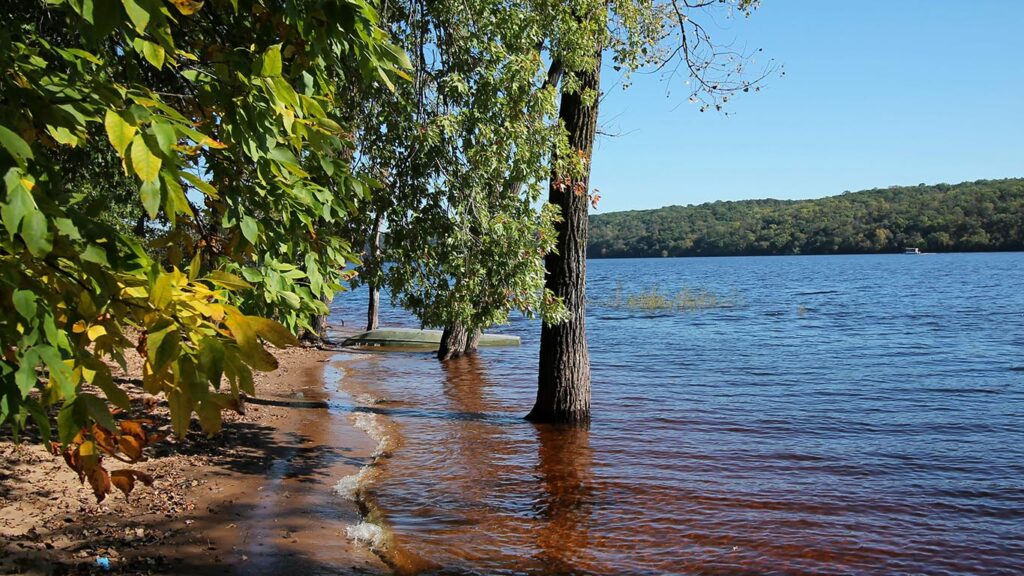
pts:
pixel 373 425
pixel 368 534
pixel 367 399
pixel 348 487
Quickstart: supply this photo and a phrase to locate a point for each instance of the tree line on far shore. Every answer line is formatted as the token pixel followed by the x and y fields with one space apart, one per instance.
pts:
pixel 983 215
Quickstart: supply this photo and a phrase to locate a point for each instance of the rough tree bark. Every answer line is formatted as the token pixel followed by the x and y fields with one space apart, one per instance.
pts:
pixel 453 342
pixel 473 341
pixel 563 384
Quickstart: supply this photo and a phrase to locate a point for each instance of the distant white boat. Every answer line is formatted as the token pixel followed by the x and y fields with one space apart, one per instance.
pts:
pixel 912 251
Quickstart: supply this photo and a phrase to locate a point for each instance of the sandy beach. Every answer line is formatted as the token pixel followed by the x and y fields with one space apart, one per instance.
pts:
pixel 257 498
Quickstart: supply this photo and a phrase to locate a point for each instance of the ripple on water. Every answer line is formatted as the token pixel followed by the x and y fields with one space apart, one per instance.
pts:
pixel 877 432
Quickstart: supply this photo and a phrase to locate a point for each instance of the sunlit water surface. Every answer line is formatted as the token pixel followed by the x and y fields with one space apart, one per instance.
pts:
pixel 851 414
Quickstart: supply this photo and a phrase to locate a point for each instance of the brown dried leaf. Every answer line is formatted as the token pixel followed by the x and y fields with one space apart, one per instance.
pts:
pixel 104 439
pixel 131 447
pixel 132 428
pixel 125 479
pixel 99 479
pixel 72 459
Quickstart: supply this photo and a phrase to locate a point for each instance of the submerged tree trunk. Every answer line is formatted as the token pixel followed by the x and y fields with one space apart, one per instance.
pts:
pixel 453 342
pixel 371 309
pixel 374 299
pixel 473 341
pixel 563 383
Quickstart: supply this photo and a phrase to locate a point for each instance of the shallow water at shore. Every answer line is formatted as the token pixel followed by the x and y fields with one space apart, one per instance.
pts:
pixel 852 414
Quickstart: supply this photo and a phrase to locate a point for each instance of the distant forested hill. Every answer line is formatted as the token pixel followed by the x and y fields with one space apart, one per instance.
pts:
pixel 972 216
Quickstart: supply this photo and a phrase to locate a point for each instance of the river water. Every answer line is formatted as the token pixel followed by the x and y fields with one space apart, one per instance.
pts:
pixel 842 414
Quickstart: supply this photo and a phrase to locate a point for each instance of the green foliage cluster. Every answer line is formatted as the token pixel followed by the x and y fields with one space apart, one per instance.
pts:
pixel 173 170
pixel 971 216
pixel 462 153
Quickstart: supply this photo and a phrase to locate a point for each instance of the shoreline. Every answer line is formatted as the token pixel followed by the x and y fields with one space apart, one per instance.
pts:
pixel 257 498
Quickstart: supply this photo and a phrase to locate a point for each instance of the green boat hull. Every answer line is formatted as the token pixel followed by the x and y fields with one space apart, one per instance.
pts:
pixel 412 338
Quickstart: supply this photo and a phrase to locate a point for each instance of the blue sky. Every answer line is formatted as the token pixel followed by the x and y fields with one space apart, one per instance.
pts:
pixel 875 93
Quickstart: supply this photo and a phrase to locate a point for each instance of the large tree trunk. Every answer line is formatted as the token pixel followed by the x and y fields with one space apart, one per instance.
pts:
pixel 453 342
pixel 563 383
pixel 373 306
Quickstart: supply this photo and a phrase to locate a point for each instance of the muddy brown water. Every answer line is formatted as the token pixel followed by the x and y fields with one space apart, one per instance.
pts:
pixel 847 415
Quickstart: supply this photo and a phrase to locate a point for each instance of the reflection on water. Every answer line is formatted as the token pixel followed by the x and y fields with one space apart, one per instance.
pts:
pixel 566 497
pixel 857 415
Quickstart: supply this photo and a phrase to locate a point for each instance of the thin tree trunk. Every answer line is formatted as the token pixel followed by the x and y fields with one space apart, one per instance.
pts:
pixel 318 324
pixel 373 305
pixel 563 384
pixel 371 309
pixel 453 342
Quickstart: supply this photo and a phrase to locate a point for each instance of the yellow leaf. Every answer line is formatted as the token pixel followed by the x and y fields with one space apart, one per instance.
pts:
pixel 135 292
pixel 162 290
pixel 187 7
pixel 146 164
pixel 78 327
pixel 273 332
pixel 96 331
pixel 119 132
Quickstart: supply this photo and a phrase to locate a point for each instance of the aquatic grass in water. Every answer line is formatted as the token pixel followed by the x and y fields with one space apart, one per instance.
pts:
pixel 684 300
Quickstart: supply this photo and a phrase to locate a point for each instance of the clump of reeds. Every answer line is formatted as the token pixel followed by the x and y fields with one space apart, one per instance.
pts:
pixel 683 300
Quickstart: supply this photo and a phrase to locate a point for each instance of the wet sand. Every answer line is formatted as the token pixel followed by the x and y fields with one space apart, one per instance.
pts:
pixel 257 498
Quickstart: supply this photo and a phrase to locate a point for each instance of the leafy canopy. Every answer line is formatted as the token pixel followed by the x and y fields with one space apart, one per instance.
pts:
pixel 222 118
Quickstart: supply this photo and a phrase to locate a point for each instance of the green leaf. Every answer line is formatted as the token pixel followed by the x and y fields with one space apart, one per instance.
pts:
pixel 271 61
pixel 15 145
pixel 26 376
pixel 60 374
pixel 165 138
pixel 138 12
pixel 19 201
pixel 200 184
pixel 66 227
pixel 145 163
pixel 209 417
pixel 70 420
pixel 113 392
pixel 119 131
pixel 36 233
pixel 181 411
pixel 168 349
pixel 150 193
pixel 107 15
pixel 97 409
pixel 154 53
pixel 211 360
pixel 95 254
pixel 40 418
pixel 250 229
pixel 25 303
